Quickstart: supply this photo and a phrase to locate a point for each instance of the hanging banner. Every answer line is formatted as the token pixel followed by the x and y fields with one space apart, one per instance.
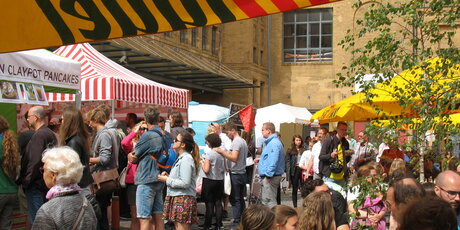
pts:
pixel 40 67
pixel 50 23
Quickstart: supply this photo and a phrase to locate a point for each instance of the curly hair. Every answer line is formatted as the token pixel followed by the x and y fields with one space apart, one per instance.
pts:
pixel 214 140
pixel 11 161
pixel 318 213
pixel 66 162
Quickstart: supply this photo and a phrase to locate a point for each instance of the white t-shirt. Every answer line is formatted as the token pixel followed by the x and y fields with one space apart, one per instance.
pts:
pixel 306 155
pixel 382 147
pixel 316 150
pixel 226 142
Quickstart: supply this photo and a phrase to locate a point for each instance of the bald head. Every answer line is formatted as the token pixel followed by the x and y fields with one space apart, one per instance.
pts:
pixel 36 117
pixel 38 111
pixel 446 177
pixel 448 187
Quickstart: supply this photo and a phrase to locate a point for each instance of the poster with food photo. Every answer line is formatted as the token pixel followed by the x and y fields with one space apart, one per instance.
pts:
pixel 41 97
pixel 29 93
pixel 9 92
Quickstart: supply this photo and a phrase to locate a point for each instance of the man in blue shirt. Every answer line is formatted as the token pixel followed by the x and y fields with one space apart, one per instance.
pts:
pixel 271 164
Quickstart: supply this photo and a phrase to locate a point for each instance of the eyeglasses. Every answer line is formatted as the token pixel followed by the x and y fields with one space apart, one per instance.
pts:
pixel 450 194
pixel 142 128
pixel 176 140
pixel 32 115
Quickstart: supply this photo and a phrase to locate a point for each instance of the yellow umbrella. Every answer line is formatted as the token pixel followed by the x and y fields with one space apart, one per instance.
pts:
pixel 355 108
pixel 455 118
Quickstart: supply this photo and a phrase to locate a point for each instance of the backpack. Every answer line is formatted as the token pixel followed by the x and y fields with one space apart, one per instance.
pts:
pixel 166 157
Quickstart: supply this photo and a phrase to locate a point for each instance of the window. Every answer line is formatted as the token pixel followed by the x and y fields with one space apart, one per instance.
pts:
pixel 261 61
pixel 182 36
pixel 167 34
pixel 254 55
pixel 204 38
pixel 214 40
pixel 194 33
pixel 307 35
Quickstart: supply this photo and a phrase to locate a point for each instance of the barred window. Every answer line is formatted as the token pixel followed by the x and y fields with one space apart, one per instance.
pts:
pixel 307 35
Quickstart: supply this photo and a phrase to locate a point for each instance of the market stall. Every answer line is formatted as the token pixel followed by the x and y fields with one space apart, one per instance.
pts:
pixel 104 81
pixel 200 116
pixel 26 76
pixel 279 114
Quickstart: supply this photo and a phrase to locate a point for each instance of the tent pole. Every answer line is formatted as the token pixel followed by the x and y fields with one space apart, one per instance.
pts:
pixel 113 108
pixel 78 100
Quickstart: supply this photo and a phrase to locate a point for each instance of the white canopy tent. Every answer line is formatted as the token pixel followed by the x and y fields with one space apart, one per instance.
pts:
pixel 280 113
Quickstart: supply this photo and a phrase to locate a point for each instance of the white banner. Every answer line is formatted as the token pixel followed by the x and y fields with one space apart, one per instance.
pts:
pixel 40 67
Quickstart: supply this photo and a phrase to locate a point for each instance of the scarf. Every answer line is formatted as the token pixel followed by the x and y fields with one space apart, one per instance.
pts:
pixel 62 190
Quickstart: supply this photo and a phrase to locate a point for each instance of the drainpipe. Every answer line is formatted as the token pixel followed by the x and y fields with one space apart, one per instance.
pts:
pixel 269 90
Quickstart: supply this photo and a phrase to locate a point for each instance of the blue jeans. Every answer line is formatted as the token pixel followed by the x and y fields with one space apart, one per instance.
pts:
pixel 237 195
pixel 35 199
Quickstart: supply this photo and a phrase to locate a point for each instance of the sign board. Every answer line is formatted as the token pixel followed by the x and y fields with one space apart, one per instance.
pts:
pixel 40 67
pixel 233 117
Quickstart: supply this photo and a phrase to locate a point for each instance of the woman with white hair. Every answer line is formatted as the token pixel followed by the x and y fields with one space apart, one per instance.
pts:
pixel 66 208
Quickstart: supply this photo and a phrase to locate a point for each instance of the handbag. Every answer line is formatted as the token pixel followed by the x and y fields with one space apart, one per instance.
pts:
pixel 249 161
pixel 227 183
pixel 105 182
pixel 227 180
pixel 336 166
pixel 123 176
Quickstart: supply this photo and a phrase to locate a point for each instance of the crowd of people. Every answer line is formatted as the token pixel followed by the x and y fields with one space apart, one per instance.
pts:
pixel 344 184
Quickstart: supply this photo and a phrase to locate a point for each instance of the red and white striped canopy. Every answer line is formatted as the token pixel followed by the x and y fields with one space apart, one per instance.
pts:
pixel 103 79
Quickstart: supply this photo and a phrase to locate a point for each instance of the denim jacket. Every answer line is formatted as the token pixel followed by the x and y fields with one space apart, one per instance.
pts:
pixel 182 179
pixel 272 158
pixel 147 170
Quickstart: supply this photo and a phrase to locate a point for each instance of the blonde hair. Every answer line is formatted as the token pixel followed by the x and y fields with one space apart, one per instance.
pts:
pixel 66 163
pixel 318 213
pixel 397 164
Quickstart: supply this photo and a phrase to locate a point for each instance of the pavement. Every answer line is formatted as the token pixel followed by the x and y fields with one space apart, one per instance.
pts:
pixel 285 199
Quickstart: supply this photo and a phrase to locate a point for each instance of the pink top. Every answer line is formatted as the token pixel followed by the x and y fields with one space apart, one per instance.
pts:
pixel 127 145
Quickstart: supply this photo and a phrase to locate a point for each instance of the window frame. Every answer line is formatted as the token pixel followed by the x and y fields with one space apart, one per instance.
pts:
pixel 309 52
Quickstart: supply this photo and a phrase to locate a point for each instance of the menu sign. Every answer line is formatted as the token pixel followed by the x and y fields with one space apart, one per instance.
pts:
pixel 16 92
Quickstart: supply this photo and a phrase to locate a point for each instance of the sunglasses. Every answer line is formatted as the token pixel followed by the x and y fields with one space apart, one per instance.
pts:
pixel 142 128
pixel 176 140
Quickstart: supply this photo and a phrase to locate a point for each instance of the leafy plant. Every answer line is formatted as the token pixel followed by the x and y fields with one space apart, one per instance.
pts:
pixel 409 48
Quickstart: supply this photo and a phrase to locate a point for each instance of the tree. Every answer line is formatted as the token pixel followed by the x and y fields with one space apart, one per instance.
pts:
pixel 418 36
